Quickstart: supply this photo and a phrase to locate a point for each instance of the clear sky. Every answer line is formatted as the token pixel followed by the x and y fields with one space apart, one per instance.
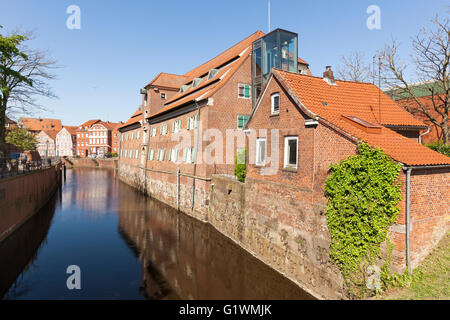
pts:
pixel 122 45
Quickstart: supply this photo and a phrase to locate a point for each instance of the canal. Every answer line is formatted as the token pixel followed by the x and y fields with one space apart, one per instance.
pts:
pixel 128 246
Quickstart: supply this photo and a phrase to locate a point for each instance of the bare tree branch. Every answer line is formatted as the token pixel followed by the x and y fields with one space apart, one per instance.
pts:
pixel 431 60
pixel 354 68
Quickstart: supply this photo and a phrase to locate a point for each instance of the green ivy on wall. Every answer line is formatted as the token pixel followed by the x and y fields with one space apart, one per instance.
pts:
pixel 363 196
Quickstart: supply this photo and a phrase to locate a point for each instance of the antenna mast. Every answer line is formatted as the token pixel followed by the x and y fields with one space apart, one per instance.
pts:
pixel 379 88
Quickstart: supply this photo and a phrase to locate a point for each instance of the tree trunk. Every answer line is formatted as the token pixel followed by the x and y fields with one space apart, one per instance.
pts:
pixel 445 134
pixel 3 102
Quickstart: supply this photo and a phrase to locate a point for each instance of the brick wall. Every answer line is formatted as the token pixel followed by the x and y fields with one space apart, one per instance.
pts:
pixel 23 196
pixel 430 210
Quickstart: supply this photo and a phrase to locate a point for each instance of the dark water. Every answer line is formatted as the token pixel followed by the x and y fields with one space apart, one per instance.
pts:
pixel 128 247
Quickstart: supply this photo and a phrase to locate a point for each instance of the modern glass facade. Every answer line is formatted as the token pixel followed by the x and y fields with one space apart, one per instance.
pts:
pixel 278 49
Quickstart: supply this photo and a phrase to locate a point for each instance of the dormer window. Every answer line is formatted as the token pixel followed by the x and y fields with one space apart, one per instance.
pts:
pixel 212 73
pixel 196 82
pixel 184 88
pixel 275 105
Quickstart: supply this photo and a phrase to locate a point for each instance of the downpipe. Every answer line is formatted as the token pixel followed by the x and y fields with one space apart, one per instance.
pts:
pixel 196 154
pixel 408 171
pixel 426 132
pixel 408 217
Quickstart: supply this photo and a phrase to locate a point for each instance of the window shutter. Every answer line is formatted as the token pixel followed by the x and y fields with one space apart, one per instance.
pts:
pixel 247 91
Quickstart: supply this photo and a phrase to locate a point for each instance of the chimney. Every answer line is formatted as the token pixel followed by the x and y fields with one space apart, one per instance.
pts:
pixel 328 73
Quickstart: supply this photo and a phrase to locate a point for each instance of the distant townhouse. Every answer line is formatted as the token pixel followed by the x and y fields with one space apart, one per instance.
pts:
pixel 46 145
pixel 36 125
pixel 116 138
pixel 214 97
pixel 82 146
pixel 100 137
pixel 66 141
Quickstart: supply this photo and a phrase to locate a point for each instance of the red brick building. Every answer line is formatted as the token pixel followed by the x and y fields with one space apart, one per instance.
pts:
pixel 318 122
pixel 100 137
pixel 206 101
pixel 115 134
pixel 82 149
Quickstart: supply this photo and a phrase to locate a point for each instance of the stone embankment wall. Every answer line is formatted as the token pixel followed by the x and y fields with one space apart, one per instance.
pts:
pixel 22 196
pixel 297 249
pixel 90 163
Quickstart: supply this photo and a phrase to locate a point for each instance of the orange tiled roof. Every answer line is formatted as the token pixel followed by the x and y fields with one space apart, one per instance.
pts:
pixel 51 133
pixel 38 124
pixel 133 119
pixel 303 61
pixel 361 100
pixel 228 62
pixel 89 123
pixel 108 125
pixel 71 129
pixel 168 80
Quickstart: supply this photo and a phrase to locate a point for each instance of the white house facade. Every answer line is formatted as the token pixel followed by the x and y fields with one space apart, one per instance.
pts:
pixel 66 142
pixel 46 145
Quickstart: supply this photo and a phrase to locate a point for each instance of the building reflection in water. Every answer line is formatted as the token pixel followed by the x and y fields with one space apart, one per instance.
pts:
pixel 184 258
pixel 93 191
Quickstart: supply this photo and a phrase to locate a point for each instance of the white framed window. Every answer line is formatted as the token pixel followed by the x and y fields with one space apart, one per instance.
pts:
pixel 163 96
pixel 192 122
pixel 138 134
pixel 275 103
pixel 291 152
pixel 136 153
pixel 161 154
pixel 173 155
pixel 244 90
pixel 176 126
pixel 241 121
pixel 151 154
pixel 261 151
pixel 189 155
pixel 163 129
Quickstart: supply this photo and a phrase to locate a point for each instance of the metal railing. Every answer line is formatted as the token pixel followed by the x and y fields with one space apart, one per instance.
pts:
pixel 15 167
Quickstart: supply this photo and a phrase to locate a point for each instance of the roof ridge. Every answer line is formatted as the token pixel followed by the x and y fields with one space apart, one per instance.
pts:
pixel 317 77
pixel 229 48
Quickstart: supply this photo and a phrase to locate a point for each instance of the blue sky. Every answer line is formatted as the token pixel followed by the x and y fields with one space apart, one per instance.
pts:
pixel 122 45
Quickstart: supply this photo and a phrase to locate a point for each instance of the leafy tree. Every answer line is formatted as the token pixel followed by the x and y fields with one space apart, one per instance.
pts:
pixel 440 147
pixel 23 75
pixel 22 139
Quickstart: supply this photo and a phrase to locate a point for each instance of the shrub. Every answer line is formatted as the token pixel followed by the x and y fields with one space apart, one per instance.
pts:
pixel 440 147
pixel 240 169
pixel 362 195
